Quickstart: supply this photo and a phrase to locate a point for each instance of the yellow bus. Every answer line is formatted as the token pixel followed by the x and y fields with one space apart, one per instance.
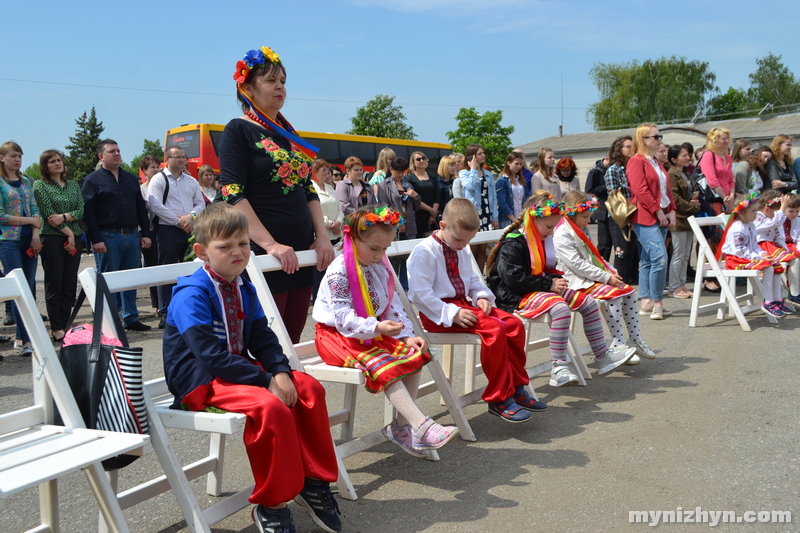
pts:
pixel 201 143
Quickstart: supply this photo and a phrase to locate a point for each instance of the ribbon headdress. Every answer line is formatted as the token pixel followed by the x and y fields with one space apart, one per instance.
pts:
pixel 359 291
pixel 738 209
pixel 535 243
pixel 259 58
pixel 588 205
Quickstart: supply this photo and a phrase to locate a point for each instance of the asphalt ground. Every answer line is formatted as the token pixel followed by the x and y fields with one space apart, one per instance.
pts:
pixel 712 423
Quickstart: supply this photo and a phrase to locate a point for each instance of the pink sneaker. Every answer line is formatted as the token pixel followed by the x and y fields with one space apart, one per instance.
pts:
pixel 431 436
pixel 401 436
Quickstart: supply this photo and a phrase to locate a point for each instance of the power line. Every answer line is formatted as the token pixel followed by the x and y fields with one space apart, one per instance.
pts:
pixel 227 95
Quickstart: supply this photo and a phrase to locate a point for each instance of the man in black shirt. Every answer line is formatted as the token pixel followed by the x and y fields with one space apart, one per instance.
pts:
pixel 114 211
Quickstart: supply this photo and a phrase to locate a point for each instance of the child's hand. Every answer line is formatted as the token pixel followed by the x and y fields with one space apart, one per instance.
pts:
pixel 281 386
pixel 465 318
pixel 616 280
pixel 558 285
pixel 764 255
pixel 784 201
pixel 418 343
pixel 389 328
pixel 484 305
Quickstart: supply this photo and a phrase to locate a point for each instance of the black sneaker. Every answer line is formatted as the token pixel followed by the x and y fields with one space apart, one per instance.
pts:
pixel 163 322
pixel 9 320
pixel 273 520
pixel 137 326
pixel 316 497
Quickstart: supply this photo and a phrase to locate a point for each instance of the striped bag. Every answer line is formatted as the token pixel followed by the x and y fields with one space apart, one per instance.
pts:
pixel 105 375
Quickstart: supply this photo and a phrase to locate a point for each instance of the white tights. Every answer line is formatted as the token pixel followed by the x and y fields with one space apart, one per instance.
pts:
pixel 402 395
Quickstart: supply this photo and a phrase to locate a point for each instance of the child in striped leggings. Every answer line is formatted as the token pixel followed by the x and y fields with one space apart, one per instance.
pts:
pixel 522 275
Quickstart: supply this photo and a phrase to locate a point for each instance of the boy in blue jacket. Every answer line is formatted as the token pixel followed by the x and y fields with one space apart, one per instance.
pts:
pixel 220 354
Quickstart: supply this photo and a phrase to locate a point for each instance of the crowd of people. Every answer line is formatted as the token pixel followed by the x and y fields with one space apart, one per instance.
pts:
pixel 274 197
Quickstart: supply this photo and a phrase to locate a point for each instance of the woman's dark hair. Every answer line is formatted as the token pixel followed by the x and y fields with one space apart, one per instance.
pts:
pixel 399 164
pixel 257 72
pixel 673 153
pixel 615 156
pixel 45 172
pixel 471 150
pixel 147 161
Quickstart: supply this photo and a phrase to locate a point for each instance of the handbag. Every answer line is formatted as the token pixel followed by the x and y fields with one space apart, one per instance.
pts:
pixel 105 375
pixel 701 182
pixel 621 210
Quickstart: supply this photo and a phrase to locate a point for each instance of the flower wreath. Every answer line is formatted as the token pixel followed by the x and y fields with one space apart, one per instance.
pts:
pixel 549 208
pixel 747 202
pixel 382 215
pixel 588 205
pixel 252 59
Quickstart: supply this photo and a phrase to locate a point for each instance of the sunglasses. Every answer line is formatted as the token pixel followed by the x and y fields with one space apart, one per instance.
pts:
pixel 420 158
pixel 656 137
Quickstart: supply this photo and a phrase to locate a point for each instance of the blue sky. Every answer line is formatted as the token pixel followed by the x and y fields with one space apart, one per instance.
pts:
pixel 433 55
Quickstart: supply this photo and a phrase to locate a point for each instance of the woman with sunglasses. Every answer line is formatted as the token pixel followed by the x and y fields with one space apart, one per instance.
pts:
pixel 428 190
pixel 650 191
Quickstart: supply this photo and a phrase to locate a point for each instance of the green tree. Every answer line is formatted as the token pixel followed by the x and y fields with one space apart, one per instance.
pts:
pixel 149 148
pixel 484 129
pixel 658 90
pixel 81 157
pixel 732 104
pixel 773 83
pixel 33 172
pixel 381 118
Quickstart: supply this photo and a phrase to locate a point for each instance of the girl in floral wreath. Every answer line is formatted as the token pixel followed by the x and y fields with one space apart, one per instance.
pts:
pixel 742 252
pixel 265 172
pixel 523 276
pixel 361 324
pixel 587 272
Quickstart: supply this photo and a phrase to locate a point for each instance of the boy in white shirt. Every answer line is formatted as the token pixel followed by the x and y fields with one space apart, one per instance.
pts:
pixel 451 297
pixel 791 235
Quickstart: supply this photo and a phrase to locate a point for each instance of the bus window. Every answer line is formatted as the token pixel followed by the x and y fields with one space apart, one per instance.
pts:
pixel 328 150
pixel 399 151
pixel 216 137
pixel 188 140
pixel 364 151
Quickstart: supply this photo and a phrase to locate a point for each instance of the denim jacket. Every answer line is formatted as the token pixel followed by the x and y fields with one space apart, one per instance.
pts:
pixel 13 200
pixel 471 184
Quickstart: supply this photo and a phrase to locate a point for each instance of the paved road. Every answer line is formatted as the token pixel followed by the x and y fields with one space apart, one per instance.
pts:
pixel 711 423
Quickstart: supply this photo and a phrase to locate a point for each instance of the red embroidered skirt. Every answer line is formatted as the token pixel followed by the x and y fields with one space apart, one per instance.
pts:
pixel 383 361
pixel 602 291
pixel 537 303
pixel 776 253
pixel 733 262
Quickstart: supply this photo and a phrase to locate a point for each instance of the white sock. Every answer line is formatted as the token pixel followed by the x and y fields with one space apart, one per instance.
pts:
pixel 401 399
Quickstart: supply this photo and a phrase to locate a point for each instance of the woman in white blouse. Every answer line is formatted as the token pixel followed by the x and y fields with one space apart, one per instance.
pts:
pixel 332 214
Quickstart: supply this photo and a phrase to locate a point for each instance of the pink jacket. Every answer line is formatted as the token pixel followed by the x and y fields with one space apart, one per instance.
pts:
pixel 645 190
pixel 718 171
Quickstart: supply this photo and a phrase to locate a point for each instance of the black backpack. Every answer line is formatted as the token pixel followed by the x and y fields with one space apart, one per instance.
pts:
pixel 154 223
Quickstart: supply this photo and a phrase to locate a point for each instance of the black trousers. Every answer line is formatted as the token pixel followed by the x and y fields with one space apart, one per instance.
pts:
pixel 604 244
pixel 150 256
pixel 172 245
pixel 626 261
pixel 60 278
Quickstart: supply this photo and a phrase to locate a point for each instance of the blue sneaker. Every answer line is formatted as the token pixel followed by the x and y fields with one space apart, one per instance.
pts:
pixel 524 400
pixel 782 306
pixel 317 499
pixel 795 299
pixel 273 520
pixel 509 411
pixel 772 310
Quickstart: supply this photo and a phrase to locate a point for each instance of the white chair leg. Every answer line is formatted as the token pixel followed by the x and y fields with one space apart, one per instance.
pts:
pixel 452 403
pixel 216 450
pixel 346 489
pixel 469 369
pixel 113 480
pixel 350 392
pixel 106 499
pixel 447 367
pixel 48 505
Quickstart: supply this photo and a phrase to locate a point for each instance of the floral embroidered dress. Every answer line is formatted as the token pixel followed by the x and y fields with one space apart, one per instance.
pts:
pixel 275 177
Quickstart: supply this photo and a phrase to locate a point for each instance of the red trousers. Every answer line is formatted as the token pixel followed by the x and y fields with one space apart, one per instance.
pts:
pixel 502 348
pixel 284 445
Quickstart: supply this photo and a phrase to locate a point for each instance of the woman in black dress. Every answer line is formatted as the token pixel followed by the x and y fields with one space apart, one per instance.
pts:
pixel 265 172
pixel 428 189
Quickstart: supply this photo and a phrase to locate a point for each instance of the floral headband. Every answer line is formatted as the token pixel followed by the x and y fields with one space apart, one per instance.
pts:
pixel 774 202
pixel 588 205
pixel 549 208
pixel 252 59
pixel 746 203
pixel 382 215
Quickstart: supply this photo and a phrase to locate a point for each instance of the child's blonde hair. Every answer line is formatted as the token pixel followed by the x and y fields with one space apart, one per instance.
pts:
pixel 219 221
pixel 573 198
pixel 461 213
pixel 358 223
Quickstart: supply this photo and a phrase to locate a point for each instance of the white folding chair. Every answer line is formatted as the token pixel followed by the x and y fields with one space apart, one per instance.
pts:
pixel 33 451
pixel 709 268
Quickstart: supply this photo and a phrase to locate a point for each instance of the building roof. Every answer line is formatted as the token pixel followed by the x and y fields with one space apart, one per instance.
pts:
pixel 755 129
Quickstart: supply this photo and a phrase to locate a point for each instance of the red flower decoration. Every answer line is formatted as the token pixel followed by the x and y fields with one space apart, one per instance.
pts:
pixel 303 171
pixel 269 146
pixel 242 70
pixel 284 170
